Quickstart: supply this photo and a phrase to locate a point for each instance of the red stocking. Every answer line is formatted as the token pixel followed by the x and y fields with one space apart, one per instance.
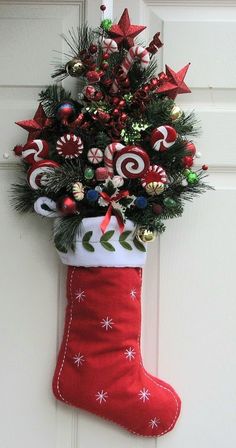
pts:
pixel 99 367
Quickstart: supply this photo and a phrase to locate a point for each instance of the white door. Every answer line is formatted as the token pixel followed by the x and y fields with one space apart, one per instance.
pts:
pixel 189 305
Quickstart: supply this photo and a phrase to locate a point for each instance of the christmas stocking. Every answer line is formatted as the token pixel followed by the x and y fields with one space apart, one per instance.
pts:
pixel 99 366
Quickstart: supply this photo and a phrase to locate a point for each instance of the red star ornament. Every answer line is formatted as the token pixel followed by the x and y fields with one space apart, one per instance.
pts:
pixel 174 84
pixel 124 32
pixel 36 125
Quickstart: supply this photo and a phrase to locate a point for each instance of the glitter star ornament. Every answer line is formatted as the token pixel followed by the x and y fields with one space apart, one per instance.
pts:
pixel 123 32
pixel 36 125
pixel 174 84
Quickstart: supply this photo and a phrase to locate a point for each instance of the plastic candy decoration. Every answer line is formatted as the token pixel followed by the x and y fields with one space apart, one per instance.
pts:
pixel 36 174
pixel 69 146
pixel 131 162
pixel 95 155
pixel 163 138
pixel 109 46
pixel 46 207
pixel 155 173
pixel 134 52
pixel 34 151
pixel 109 155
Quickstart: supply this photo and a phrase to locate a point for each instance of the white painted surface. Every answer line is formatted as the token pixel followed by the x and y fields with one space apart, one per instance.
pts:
pixel 189 293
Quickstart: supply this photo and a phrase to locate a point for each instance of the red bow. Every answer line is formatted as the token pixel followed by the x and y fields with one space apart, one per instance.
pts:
pixel 107 217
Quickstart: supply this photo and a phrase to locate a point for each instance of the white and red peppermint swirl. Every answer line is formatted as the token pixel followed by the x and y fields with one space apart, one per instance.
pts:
pixel 155 173
pixel 34 151
pixel 163 138
pixel 132 162
pixel 69 146
pixel 95 155
pixel 109 46
pixel 36 175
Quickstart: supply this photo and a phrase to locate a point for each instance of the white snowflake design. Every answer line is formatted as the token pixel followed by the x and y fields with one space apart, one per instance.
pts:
pixel 107 323
pixel 154 422
pixel 101 396
pixel 80 295
pixel 130 353
pixel 78 359
pixel 133 293
pixel 144 395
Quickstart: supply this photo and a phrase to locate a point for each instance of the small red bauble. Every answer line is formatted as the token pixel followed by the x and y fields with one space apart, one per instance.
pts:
pixel 116 113
pixel 98 96
pixel 191 148
pixel 126 82
pixel 105 56
pixel 107 82
pixel 67 206
pixel 104 116
pixel 146 88
pixel 157 209
pixel 105 65
pixel 121 104
pixel 123 116
pixel 154 82
pixel 115 100
pixel 103 7
pixel 205 167
pixel 93 76
pixel 187 161
pixel 93 48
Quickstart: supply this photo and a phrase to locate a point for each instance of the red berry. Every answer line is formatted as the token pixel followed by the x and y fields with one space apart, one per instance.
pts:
pixel 115 100
pixel 116 112
pixel 104 65
pixel 205 167
pixel 103 8
pixel 105 56
pixel 126 82
pixel 98 96
pixel 106 82
pixel 93 76
pixel 157 209
pixel 18 150
pixel 93 48
pixel 123 116
pixel 146 88
pixel 122 104
pixel 187 161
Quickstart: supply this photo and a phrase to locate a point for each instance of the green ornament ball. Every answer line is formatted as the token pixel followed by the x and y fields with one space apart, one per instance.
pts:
pixel 88 173
pixel 106 24
pixel 187 172
pixel 169 202
pixel 192 178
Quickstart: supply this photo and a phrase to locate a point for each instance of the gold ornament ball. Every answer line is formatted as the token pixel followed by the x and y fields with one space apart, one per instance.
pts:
pixel 176 113
pixel 145 236
pixel 78 191
pixel 155 188
pixel 75 67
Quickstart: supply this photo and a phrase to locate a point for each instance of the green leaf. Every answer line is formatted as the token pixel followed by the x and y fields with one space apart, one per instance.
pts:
pixel 107 236
pixel 85 242
pixel 124 235
pixel 126 245
pixel 108 246
pixel 139 245
pixel 87 236
pixel 60 247
pixel 88 246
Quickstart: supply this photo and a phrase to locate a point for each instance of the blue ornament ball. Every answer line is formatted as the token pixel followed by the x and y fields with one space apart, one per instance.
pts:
pixel 141 202
pixel 66 111
pixel 92 195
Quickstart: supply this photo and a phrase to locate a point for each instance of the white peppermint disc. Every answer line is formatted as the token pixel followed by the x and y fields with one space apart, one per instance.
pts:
pixel 95 155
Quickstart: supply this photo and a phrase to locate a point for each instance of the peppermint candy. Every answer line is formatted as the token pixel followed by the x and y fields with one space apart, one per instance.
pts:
pixel 95 155
pixel 155 173
pixel 69 146
pixel 163 138
pixel 34 151
pixel 109 46
pixel 109 155
pixel 37 174
pixel 131 162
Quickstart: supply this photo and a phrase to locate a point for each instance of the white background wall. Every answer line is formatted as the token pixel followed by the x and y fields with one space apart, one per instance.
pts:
pixel 189 305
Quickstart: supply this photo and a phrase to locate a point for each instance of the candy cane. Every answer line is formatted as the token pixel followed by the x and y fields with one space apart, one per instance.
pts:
pixel 134 52
pixel 46 207
pixel 109 154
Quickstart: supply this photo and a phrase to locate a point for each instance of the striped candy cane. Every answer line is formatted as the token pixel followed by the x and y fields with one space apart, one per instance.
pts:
pixel 134 52
pixel 109 154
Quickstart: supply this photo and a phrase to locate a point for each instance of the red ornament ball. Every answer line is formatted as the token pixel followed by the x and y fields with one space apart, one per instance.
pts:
pixel 93 49
pixel 103 7
pixel 157 209
pixel 101 173
pixel 93 76
pixel 191 148
pixel 205 167
pixel 187 161
pixel 105 56
pixel 65 112
pixel 66 206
